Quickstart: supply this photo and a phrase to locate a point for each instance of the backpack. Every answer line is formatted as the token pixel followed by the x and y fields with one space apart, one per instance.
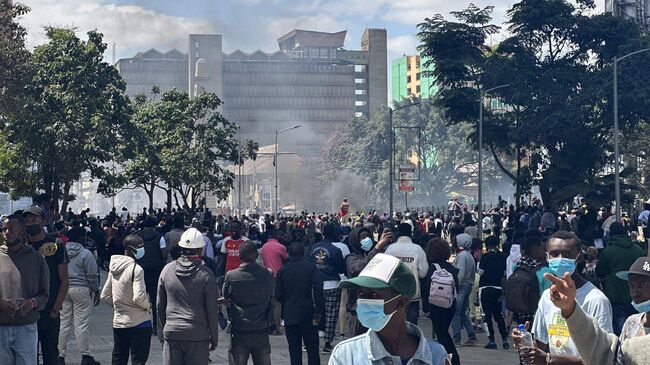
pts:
pixel 522 293
pixel 442 292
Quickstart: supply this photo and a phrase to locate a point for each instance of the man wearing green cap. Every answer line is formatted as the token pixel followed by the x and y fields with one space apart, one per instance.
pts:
pixel 386 286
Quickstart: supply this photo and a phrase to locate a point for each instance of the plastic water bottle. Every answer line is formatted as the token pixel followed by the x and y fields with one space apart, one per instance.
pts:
pixel 526 340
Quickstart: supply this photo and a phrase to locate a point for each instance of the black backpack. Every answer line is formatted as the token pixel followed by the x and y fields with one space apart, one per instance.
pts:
pixel 522 293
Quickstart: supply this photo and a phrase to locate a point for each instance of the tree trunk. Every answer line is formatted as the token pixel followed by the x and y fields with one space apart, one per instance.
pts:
pixel 150 194
pixel 518 180
pixel 66 198
pixel 168 191
pixel 503 168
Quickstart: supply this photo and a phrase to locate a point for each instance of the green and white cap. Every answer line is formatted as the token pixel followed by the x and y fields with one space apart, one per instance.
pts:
pixel 383 272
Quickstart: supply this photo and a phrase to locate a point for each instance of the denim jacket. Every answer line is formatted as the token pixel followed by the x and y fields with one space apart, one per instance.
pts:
pixel 368 349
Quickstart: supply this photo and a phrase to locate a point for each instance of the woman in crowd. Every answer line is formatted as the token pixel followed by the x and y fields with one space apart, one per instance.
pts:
pixel 438 253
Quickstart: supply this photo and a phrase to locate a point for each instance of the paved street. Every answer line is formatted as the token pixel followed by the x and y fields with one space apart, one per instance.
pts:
pixel 102 345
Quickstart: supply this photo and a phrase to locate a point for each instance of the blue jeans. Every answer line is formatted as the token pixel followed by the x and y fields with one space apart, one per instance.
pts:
pixel 461 319
pixel 18 345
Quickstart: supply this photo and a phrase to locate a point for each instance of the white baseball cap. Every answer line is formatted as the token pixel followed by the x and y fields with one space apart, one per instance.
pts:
pixel 191 238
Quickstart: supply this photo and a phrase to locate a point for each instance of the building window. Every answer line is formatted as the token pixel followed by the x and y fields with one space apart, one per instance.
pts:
pixel 408 91
pixel 417 89
pixel 324 53
pixel 196 45
pixel 408 78
pixel 408 65
pixel 417 76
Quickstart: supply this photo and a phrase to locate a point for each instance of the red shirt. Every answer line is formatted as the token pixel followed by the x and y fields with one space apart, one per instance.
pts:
pixel 232 253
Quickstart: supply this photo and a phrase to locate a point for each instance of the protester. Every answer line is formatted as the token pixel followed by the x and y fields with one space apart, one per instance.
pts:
pixel 187 305
pixel 385 288
pixel 230 247
pixel 24 284
pixel 492 271
pixel 274 254
pixel 299 288
pixel 438 254
pixel 125 291
pixel 329 261
pixel 251 315
pixel 527 283
pixel 596 345
pixel 343 320
pixel 82 296
pixel 466 271
pixel 171 238
pixel 619 255
pixel 416 259
pixel 554 343
pixel 57 262
pixel 155 257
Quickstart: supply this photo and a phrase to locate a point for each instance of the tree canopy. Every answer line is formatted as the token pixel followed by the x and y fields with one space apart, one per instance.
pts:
pixel 183 147
pixel 557 62
pixel 73 116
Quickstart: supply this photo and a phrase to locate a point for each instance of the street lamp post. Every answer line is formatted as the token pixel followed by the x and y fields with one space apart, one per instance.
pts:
pixel 391 175
pixel 275 160
pixel 480 154
pixel 617 177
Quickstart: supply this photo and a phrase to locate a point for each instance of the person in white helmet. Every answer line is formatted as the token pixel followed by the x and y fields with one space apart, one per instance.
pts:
pixel 187 305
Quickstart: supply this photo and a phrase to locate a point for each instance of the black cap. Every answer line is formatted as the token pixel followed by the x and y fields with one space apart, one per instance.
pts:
pixel 640 267
pixel 35 210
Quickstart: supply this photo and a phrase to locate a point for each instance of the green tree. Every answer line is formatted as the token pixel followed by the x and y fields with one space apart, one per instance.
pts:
pixel 557 62
pixel 15 60
pixel 184 146
pixel 75 115
pixel 447 159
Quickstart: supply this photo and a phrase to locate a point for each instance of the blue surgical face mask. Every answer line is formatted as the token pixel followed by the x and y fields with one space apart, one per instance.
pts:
pixel 371 313
pixel 642 307
pixel 139 253
pixel 366 244
pixel 560 266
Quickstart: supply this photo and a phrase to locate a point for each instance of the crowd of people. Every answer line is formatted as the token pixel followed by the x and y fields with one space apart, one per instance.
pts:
pixel 353 285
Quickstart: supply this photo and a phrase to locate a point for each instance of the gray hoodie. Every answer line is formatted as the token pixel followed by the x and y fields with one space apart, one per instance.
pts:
pixel 82 268
pixel 187 302
pixel 465 261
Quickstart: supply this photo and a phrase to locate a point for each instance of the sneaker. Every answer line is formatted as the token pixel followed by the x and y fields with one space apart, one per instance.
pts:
pixel 88 360
pixel 277 333
pixel 471 342
pixel 491 345
pixel 327 349
pixel 457 343
pixel 506 346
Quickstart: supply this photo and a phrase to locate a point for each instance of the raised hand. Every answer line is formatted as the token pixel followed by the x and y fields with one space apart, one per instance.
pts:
pixel 563 293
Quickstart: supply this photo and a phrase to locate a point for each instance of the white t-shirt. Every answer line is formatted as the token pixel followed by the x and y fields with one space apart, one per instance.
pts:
pixel 345 250
pixel 550 327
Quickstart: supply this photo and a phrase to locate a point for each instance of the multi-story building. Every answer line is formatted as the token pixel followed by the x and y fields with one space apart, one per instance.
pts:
pixel 639 10
pixel 408 79
pixel 311 80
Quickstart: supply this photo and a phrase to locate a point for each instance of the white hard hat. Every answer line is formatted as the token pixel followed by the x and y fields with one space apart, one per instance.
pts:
pixel 191 238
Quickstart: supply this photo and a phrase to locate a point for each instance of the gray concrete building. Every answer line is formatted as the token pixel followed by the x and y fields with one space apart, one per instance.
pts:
pixel 311 80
